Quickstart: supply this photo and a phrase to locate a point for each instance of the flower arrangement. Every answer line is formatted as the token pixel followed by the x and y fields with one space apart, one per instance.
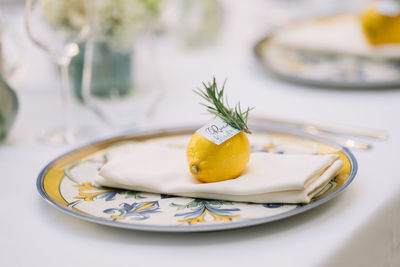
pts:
pixel 121 20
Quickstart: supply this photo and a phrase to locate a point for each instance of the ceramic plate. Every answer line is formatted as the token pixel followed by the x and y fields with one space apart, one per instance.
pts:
pixel 326 69
pixel 64 183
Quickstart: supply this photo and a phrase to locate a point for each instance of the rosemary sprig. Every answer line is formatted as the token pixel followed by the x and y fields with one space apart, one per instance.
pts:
pixel 235 117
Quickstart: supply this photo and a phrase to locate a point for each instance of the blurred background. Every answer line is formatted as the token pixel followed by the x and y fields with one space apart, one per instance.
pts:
pixel 107 67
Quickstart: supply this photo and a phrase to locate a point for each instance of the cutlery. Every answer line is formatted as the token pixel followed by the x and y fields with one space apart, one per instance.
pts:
pixel 332 132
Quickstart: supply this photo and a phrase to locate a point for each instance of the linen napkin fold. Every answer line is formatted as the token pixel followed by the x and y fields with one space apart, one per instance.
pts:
pixel 268 178
pixel 342 34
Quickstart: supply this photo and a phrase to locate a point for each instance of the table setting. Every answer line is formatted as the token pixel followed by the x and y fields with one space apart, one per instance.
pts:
pixel 244 132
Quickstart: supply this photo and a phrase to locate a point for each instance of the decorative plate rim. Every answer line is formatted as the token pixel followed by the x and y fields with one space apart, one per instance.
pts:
pixel 199 228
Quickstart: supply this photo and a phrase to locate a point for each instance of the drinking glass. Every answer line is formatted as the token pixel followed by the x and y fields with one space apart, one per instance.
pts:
pixel 57 26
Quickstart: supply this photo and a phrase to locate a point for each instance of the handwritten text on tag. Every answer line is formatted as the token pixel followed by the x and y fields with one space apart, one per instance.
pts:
pixel 217 131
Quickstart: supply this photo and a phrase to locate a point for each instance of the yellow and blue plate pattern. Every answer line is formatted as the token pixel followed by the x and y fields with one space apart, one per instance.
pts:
pixel 65 183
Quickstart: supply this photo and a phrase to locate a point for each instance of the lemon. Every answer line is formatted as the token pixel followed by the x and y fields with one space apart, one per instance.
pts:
pixel 380 29
pixel 209 162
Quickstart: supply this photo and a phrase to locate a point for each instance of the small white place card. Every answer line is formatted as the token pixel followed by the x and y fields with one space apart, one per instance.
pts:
pixel 217 131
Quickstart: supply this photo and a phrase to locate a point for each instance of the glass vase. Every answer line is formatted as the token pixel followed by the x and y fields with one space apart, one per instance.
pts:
pixel 115 83
pixel 111 68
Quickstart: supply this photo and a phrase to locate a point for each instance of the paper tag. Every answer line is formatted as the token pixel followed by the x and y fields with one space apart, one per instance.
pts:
pixel 217 131
pixel 389 8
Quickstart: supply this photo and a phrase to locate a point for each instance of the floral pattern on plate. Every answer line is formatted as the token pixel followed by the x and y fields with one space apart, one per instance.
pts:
pixel 68 184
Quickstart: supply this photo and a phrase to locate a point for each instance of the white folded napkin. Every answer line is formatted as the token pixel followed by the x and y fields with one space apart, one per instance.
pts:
pixel 268 178
pixel 341 34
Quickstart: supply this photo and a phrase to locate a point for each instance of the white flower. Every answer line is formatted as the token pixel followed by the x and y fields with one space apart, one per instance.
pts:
pixel 66 14
pixel 122 20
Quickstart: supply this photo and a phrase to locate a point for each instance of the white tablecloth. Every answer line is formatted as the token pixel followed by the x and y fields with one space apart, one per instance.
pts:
pixel 361 227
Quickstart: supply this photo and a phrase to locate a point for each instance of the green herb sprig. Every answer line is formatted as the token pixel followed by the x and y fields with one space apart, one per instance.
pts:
pixel 216 105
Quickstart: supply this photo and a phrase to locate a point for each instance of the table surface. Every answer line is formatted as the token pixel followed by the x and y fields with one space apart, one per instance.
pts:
pixel 360 227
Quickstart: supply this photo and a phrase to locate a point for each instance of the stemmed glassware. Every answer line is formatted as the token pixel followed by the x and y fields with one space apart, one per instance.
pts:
pixel 56 30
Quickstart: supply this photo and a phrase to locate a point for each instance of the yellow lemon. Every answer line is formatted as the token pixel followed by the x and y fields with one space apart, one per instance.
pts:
pixel 380 29
pixel 209 162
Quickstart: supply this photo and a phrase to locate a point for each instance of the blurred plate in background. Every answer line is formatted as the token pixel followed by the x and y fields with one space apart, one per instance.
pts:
pixel 329 52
